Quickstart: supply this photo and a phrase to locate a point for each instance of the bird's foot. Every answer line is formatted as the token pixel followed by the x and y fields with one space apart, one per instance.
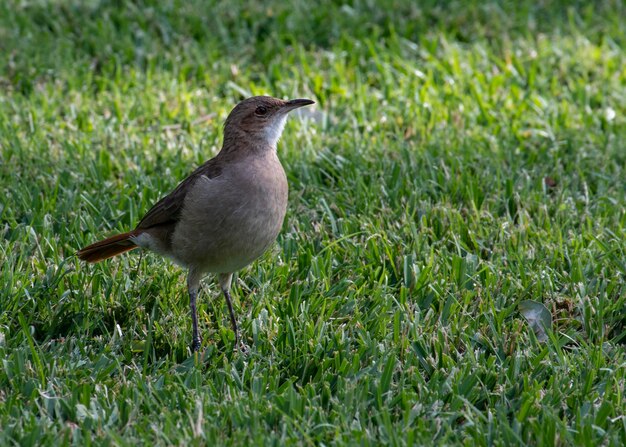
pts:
pixel 196 344
pixel 241 347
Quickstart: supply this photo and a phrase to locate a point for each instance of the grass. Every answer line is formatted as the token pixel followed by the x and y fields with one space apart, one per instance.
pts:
pixel 461 159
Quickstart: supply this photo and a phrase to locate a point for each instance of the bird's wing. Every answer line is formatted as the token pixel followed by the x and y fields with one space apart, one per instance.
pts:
pixel 168 209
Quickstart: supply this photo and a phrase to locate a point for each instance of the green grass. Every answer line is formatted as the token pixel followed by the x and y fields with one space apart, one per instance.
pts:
pixel 460 159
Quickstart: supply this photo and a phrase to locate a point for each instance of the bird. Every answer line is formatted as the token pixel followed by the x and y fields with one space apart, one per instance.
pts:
pixel 226 213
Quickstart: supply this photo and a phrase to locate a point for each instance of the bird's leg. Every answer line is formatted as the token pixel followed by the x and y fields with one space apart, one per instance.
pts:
pixel 196 342
pixel 193 283
pixel 225 280
pixel 233 320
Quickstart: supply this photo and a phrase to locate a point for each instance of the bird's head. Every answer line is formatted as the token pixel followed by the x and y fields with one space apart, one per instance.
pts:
pixel 260 119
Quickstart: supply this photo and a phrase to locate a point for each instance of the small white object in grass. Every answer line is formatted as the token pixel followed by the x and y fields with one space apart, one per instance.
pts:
pixel 538 317
pixel 420 74
pixel 609 114
pixel 1 338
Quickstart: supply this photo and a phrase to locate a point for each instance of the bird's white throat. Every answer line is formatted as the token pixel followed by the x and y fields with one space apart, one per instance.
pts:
pixel 274 130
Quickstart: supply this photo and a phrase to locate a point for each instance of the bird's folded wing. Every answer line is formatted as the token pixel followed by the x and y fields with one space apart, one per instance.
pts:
pixel 168 209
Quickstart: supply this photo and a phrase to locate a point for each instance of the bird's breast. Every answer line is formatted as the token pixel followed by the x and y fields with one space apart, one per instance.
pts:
pixel 229 221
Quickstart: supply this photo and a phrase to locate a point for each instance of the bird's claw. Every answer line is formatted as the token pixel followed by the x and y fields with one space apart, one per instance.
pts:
pixel 195 345
pixel 241 347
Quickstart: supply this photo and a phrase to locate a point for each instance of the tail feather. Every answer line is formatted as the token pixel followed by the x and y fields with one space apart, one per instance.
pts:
pixel 107 248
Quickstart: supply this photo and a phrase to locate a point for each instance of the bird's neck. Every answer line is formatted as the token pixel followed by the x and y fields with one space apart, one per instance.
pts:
pixel 242 145
pixel 239 141
pixel 260 139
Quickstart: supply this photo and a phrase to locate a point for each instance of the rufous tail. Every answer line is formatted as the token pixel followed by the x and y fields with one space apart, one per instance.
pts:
pixel 107 248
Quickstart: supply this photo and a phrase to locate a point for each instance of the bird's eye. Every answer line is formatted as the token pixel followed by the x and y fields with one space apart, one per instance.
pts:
pixel 260 111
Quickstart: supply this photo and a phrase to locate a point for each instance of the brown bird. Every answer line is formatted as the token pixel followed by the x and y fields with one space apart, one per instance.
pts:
pixel 226 213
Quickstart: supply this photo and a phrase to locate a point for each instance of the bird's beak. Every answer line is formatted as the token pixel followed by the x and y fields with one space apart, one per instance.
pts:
pixel 295 103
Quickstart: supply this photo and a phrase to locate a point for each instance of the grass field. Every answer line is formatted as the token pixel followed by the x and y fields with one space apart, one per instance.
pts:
pixel 460 160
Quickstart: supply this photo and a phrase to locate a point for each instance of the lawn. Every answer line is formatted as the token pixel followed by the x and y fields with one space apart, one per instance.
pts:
pixel 461 159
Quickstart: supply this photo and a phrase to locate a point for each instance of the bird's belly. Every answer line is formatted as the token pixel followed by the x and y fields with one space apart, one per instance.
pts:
pixel 225 242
